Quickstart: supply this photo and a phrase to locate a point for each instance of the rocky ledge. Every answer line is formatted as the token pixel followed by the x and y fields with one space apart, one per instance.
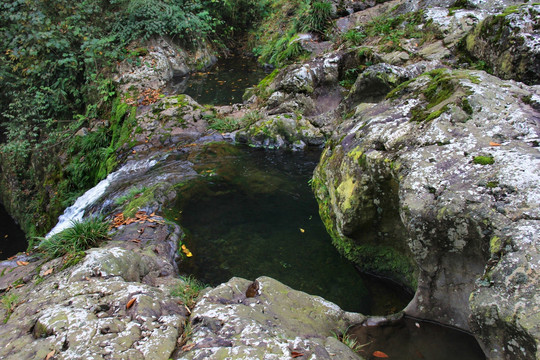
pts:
pixel 457 160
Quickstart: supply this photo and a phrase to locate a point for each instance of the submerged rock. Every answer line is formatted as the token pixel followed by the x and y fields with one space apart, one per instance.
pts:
pixel 459 160
pixel 273 324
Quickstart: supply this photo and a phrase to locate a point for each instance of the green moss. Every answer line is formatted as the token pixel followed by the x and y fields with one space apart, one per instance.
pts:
pixel 262 87
pixel 136 204
pixel 484 160
pixel 466 106
pixel 495 245
pixel 492 184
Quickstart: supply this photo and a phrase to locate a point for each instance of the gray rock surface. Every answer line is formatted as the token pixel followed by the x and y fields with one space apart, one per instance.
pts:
pixel 510 43
pixel 82 312
pixel 156 62
pixel 463 157
pixel 271 325
pixel 281 131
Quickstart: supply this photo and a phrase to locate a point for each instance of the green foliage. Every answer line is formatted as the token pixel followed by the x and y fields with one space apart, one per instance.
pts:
pixel 56 60
pixel 223 124
pixel 348 340
pixel 316 18
pixel 9 302
pixel 353 37
pixel 188 291
pixel 131 194
pixel 276 40
pixel 236 17
pixel 187 21
pixel 76 239
pixel 484 160
pixel 388 32
pixel 251 117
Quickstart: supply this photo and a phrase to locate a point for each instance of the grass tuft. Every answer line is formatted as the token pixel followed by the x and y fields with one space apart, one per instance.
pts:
pixel 79 237
pixel 188 291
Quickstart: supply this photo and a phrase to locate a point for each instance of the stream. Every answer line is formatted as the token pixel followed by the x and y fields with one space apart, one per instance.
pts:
pixel 222 84
pixel 251 212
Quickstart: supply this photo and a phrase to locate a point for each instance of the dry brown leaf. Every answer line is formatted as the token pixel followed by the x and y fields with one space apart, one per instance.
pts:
pixel 22 263
pixel 130 303
pixel 135 241
pixel 491 143
pixel 295 354
pixel 48 272
pixel 19 286
pixel 188 347
pixel 50 355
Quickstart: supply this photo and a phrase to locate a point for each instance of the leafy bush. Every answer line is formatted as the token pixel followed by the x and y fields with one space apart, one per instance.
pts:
pixel 79 237
pixel 187 21
pixel 275 37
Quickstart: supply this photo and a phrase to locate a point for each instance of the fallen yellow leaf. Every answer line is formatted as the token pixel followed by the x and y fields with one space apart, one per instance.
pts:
pixel 302 230
pixel 189 254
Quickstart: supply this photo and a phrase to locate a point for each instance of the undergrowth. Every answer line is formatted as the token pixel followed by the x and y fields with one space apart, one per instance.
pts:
pixel 188 291
pixel 79 237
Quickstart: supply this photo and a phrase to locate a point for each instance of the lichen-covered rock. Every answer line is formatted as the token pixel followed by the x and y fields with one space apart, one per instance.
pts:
pixel 271 324
pixel 378 80
pixel 312 88
pixel 457 154
pixel 281 131
pixel 152 65
pixel 115 303
pixel 509 43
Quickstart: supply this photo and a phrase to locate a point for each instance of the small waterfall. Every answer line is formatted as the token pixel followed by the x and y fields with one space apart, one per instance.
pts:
pixel 76 211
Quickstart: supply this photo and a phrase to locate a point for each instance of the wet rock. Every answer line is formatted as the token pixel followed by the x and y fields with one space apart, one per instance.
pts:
pixel 448 149
pixel 271 325
pixel 281 131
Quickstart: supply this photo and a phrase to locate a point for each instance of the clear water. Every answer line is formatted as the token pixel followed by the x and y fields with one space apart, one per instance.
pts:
pixel 222 84
pixel 409 339
pixel 254 214
pixel 12 238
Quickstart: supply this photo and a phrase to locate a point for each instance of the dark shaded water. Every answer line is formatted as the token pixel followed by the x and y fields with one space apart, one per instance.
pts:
pixel 12 238
pixel 222 84
pixel 254 214
pixel 409 339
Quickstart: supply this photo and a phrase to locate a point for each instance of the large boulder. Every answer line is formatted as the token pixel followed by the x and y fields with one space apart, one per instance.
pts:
pixel 284 131
pixel 509 43
pixel 440 183
pixel 272 321
pixel 152 64
pixel 115 303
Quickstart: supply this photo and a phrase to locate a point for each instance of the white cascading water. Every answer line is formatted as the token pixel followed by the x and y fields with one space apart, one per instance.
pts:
pixel 76 211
